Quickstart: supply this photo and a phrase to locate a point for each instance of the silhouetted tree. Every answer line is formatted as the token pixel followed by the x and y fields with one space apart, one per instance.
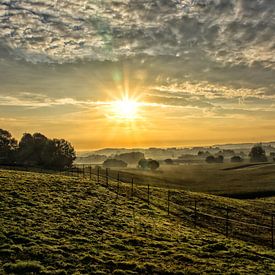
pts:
pixel 257 154
pixel 114 163
pixel 220 159
pixel 169 161
pixel 8 146
pixel 212 159
pixel 32 148
pixel 60 153
pixel 236 159
pixel 143 163
pixel 38 150
pixel 130 158
pixel 153 164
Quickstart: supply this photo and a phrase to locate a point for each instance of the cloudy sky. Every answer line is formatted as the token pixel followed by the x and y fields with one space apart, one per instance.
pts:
pixel 200 72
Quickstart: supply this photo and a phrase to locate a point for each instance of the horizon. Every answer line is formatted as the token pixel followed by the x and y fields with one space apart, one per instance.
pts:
pixel 176 147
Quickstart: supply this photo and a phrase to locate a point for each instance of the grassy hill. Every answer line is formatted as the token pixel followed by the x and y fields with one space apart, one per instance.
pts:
pixel 53 224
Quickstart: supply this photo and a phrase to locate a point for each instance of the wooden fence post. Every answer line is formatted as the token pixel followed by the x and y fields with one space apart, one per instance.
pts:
pixel 272 231
pixel 168 203
pixel 148 194
pixel 83 170
pixel 107 182
pixel 90 171
pixel 227 223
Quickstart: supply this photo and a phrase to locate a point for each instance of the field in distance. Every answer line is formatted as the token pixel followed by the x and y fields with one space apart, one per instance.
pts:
pixel 235 180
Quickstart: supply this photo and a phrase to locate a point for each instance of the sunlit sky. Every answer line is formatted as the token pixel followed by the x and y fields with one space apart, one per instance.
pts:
pixel 130 73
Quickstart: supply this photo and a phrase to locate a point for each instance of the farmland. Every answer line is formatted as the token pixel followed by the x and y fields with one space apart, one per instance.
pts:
pixel 55 224
pixel 240 181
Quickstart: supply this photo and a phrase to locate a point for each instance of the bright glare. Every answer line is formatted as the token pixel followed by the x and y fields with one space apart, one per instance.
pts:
pixel 126 109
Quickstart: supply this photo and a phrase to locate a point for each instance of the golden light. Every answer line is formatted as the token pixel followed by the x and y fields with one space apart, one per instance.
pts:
pixel 125 109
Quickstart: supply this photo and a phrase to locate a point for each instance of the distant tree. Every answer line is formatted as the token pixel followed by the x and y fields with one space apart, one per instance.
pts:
pixel 114 163
pixel 153 164
pixel 143 164
pixel 8 146
pixel 169 161
pixel 130 158
pixel 203 154
pixel 210 159
pixel 236 159
pixel 257 154
pixel 220 159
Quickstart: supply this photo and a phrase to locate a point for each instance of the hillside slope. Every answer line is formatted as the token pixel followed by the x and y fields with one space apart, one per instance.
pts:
pixel 51 224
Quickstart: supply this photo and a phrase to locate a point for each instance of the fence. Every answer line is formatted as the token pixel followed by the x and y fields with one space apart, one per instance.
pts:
pixel 198 212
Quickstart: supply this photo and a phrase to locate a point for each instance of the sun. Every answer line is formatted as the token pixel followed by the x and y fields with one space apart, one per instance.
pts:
pixel 125 109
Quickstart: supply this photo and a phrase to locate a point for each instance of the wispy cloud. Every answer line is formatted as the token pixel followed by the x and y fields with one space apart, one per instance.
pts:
pixel 226 32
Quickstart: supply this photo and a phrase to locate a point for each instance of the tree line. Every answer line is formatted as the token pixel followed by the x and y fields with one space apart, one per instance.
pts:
pixel 256 154
pixel 35 150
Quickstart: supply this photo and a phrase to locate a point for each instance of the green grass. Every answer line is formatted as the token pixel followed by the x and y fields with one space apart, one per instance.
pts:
pixel 244 182
pixel 51 224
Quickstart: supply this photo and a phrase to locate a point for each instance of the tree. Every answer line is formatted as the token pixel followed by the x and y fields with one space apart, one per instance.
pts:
pixel 143 163
pixel 32 148
pixel 212 159
pixel 114 163
pixel 130 158
pixel 8 146
pixel 257 154
pixel 60 154
pixel 38 150
pixel 236 159
pixel 220 159
pixel 169 161
pixel 153 164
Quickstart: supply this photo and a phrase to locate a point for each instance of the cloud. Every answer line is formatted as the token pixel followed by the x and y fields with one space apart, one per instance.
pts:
pixel 33 100
pixel 225 32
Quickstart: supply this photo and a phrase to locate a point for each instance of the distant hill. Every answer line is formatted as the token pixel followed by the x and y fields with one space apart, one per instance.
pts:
pixel 175 152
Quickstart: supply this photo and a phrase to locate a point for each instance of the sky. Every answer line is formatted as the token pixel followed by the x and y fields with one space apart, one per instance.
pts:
pixel 191 72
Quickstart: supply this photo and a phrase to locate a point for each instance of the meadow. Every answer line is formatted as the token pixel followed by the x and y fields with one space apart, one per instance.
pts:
pixel 233 180
pixel 57 224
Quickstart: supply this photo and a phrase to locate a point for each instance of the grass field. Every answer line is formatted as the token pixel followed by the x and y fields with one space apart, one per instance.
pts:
pixel 243 181
pixel 52 224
